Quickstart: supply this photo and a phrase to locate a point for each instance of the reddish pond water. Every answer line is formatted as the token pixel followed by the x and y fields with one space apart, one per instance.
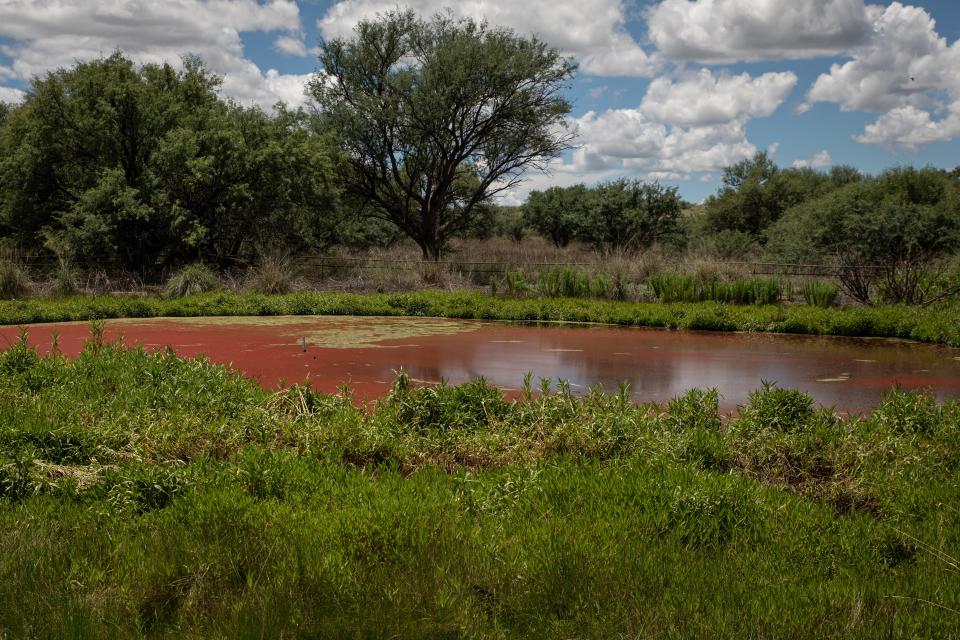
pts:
pixel 848 373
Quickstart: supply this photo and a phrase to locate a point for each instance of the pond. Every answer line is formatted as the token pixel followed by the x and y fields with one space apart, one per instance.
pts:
pixel 847 373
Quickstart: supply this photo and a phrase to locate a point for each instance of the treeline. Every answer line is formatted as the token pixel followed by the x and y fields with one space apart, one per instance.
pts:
pixel 145 168
pixel 887 235
pixel 623 215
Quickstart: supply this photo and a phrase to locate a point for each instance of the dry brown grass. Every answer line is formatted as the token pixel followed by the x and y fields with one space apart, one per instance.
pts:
pixel 469 265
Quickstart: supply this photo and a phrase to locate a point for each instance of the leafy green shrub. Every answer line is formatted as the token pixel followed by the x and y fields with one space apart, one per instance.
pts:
pixel 907 411
pixel 13 280
pixel 468 406
pixel 817 293
pixel 558 213
pixel 777 409
pixel 696 409
pixel 190 280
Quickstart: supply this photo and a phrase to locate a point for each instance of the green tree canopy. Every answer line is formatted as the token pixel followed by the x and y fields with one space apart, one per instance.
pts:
pixel 145 167
pixel 884 233
pixel 627 215
pixel 755 193
pixel 558 213
pixel 437 116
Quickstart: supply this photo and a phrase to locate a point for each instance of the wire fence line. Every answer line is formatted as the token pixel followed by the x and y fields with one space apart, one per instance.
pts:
pixel 499 267
pixel 331 265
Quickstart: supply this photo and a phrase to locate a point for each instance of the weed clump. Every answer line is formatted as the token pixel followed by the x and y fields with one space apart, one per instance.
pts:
pixel 191 280
pixel 776 409
pixel 14 282
pixel 272 275
pixel 696 409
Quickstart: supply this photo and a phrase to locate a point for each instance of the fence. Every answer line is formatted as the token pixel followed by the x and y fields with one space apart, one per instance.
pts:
pixel 332 265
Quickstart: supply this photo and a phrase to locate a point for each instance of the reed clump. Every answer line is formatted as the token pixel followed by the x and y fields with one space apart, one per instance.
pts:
pixel 818 293
pixel 677 287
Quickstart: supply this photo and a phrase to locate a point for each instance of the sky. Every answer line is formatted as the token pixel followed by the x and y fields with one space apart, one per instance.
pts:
pixel 667 90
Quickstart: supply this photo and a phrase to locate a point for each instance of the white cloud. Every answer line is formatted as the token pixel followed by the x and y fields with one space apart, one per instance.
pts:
pixel 291 45
pixel 627 140
pixel 719 31
pixel 11 95
pixel 592 30
pixel 668 176
pixel 696 123
pixel 903 62
pixel 911 128
pixel 56 33
pixel 820 160
pixel 704 98
pixel 904 72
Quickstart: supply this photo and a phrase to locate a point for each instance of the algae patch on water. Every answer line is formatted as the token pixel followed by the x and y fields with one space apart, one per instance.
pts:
pixel 333 332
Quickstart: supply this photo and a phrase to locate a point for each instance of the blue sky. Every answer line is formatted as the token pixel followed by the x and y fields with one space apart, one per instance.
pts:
pixel 668 89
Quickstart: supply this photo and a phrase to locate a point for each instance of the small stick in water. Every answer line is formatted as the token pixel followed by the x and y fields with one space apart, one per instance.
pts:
pixel 303 343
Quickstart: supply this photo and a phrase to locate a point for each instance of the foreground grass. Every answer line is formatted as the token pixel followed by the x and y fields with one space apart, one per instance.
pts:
pixel 145 495
pixel 928 324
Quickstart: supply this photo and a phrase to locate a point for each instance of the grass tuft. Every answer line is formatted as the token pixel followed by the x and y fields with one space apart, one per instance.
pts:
pixel 14 283
pixel 191 280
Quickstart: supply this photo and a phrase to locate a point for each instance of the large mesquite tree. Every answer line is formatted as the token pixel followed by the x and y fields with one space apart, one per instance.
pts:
pixel 437 116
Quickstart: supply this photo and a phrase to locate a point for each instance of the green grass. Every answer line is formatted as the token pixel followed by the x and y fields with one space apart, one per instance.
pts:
pixel 817 293
pixel 929 324
pixel 676 287
pixel 142 495
pixel 566 282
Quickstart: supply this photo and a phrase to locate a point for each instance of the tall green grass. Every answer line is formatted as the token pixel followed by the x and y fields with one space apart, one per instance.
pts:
pixel 146 495
pixel 675 287
pixel 821 294
pixel 567 282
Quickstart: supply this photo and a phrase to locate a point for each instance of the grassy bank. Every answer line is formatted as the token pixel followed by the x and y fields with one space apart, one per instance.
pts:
pixel 928 324
pixel 145 495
